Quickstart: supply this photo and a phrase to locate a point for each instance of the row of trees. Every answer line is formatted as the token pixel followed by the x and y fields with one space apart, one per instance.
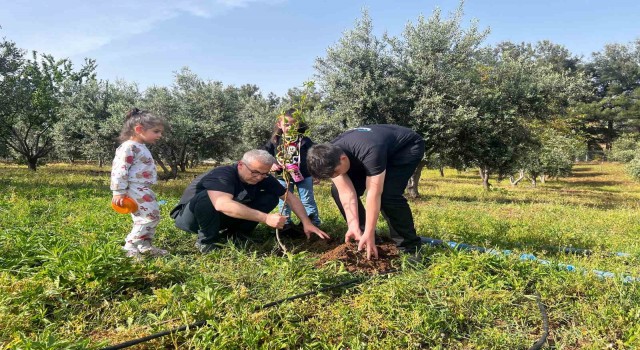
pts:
pixel 511 110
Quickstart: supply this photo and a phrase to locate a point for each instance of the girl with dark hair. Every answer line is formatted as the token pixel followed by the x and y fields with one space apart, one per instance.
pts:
pixel 133 171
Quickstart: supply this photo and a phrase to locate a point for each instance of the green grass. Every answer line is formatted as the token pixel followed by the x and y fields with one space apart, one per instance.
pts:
pixel 64 282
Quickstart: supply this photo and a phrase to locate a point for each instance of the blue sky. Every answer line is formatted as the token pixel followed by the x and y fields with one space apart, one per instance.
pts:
pixel 274 43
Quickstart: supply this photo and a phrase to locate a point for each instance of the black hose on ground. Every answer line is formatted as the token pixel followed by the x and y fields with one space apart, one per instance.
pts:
pixel 530 287
pixel 354 281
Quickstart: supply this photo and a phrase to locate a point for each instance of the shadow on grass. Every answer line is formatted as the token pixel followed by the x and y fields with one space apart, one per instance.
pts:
pixel 586 174
pixel 593 184
pixel 533 245
pixel 581 169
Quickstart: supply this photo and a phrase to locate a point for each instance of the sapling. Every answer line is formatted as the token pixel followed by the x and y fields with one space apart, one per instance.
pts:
pixel 286 153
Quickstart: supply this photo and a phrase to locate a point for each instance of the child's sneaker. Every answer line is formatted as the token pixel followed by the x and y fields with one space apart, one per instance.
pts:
pixel 132 253
pixel 153 251
pixel 205 248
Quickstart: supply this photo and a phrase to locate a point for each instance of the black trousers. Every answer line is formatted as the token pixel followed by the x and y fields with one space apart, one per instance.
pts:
pixel 394 205
pixel 201 217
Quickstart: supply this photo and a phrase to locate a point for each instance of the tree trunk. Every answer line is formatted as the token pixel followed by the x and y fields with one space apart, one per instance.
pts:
pixel 514 181
pixel 610 135
pixel 194 162
pixel 484 174
pixel 161 164
pixel 32 163
pixel 543 178
pixel 414 180
pixel 534 181
pixel 441 171
pixel 182 159
pixel 174 171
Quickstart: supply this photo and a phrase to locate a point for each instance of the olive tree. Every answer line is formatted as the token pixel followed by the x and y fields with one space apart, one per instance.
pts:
pixel 34 93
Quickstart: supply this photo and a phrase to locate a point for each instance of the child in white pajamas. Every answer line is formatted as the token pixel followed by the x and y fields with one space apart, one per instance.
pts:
pixel 133 171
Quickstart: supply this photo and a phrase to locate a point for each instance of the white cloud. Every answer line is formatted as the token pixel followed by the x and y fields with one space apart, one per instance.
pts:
pixel 244 3
pixel 77 27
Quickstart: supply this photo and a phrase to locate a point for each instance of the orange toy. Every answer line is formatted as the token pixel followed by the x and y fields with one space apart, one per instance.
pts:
pixel 128 206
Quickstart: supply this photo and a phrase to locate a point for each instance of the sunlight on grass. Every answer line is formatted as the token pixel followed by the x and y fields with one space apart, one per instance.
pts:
pixel 65 283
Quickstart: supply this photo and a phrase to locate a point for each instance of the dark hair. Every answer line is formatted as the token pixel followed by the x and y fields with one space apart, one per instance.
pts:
pixel 277 131
pixel 323 159
pixel 134 117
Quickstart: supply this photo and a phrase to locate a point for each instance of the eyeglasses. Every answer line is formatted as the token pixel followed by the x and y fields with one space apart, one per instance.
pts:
pixel 255 172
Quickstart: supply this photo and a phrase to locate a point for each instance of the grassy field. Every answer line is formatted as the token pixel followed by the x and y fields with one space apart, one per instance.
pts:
pixel 65 283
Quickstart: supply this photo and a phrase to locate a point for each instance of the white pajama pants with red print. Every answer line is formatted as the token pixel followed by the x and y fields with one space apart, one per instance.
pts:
pixel 145 219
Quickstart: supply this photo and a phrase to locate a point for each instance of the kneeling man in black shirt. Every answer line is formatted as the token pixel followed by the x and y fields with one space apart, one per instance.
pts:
pixel 236 198
pixel 379 159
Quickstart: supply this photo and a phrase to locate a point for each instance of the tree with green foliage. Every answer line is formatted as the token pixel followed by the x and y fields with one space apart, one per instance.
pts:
pixel 359 78
pixel 11 61
pixel 437 56
pixel 256 118
pixel 513 89
pixel 633 167
pixel 203 120
pixel 324 124
pixel 612 109
pixel 625 148
pixel 83 131
pixel 34 93
pixel 552 155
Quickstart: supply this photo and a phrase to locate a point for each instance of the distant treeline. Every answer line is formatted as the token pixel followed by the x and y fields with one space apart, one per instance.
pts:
pixel 519 110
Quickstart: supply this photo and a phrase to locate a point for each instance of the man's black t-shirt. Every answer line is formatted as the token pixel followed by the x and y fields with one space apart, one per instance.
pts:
pixel 373 148
pixel 226 179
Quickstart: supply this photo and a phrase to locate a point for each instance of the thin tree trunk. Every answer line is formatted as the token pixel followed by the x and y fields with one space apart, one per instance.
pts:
pixel 183 161
pixel 610 135
pixel 515 181
pixel 484 174
pixel 441 171
pixel 161 164
pixel 534 181
pixel 414 180
pixel 174 171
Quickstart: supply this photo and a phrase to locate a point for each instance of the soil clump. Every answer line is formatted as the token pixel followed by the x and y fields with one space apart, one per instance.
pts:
pixel 350 257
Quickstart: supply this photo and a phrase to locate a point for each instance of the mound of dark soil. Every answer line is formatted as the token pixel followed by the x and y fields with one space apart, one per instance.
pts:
pixel 347 253
pixel 353 260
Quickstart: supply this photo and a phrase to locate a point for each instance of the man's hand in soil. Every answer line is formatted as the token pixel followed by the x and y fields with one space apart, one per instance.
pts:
pixel 275 220
pixel 352 234
pixel 311 228
pixel 368 242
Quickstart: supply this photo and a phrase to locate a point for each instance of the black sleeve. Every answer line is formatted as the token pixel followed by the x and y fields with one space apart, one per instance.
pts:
pixel 223 181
